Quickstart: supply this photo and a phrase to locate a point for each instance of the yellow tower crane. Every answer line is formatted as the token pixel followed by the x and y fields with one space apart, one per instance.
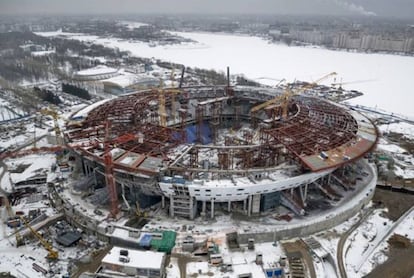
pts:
pixel 52 254
pixel 162 92
pixel 284 98
pixel 54 114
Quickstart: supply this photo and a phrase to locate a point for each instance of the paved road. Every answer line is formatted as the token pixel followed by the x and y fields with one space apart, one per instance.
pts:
pixel 344 237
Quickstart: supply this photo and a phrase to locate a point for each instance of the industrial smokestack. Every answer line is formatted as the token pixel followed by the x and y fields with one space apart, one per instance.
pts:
pixel 228 77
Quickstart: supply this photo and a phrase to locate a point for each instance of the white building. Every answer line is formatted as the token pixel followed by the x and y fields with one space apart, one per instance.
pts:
pixel 97 73
pixel 135 263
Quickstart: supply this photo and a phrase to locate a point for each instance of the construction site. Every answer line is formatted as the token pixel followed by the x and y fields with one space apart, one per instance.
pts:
pixel 172 169
pixel 197 150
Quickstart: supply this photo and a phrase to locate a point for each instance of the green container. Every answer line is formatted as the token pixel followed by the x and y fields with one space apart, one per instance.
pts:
pixel 166 243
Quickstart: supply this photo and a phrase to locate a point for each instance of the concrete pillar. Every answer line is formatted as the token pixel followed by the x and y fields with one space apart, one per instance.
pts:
pixel 244 205
pixel 163 201
pixel 212 208
pixel 191 208
pixel 229 206
pixel 203 209
pixel 171 207
pixel 249 209
pixel 85 168
pixel 329 178
pixel 306 191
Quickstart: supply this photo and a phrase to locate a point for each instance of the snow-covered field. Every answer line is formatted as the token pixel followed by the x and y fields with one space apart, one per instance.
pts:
pixel 361 253
pixel 9 112
pixel 384 79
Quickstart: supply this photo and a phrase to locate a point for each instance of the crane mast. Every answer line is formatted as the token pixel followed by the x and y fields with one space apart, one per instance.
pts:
pixel 109 173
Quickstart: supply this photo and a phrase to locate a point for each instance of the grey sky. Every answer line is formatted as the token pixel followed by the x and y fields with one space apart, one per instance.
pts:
pixel 397 8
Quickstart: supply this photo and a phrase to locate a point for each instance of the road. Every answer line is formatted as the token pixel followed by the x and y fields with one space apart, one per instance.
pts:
pixel 344 237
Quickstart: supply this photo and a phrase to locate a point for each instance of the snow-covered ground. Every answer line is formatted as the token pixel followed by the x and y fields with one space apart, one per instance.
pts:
pixel 404 161
pixel 402 127
pixel 360 257
pixel 376 75
pixel 9 112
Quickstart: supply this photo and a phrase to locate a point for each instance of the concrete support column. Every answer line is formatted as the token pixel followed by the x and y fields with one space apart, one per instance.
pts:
pixel 163 201
pixel 212 208
pixel 249 207
pixel 306 191
pixel 229 206
pixel 245 205
pixel 191 209
pixel 329 178
pixel 85 168
pixel 203 209
pixel 171 207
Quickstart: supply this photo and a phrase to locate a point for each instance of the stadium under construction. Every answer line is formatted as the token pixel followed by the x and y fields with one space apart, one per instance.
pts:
pixel 199 150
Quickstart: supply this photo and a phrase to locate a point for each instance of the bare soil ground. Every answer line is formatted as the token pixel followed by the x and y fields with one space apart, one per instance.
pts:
pixel 399 264
pixel 298 249
pixel 396 202
pixel 400 260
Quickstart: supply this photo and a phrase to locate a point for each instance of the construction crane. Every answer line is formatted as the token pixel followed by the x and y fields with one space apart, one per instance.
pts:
pixel 52 254
pixel 14 218
pixel 284 98
pixel 109 173
pixel 54 114
pixel 162 111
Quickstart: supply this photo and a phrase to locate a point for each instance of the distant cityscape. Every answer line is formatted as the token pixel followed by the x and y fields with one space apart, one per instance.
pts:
pixel 354 34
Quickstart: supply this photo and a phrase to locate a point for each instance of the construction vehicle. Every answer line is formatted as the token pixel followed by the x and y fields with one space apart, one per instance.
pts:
pixel 52 254
pixel 13 222
pixel 140 213
pixel 284 99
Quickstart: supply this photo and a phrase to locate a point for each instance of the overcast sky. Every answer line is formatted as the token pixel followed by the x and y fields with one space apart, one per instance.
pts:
pixel 395 8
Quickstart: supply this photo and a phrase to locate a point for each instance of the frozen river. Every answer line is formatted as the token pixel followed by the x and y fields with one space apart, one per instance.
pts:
pixel 384 79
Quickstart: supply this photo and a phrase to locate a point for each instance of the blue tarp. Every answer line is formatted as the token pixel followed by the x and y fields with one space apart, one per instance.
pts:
pixel 145 240
pixel 205 134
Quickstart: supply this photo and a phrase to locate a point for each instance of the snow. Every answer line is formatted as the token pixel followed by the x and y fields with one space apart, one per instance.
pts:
pixel 138 259
pixel 329 270
pixel 362 243
pixel 242 261
pixel 38 165
pixel 406 227
pixel 84 112
pixel 172 270
pixel 402 127
pixel 18 261
pixel 101 69
pixel 124 80
pixel 407 173
pixel 5 182
pixel 132 24
pixel 255 57
pixel 388 147
pixel 42 53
